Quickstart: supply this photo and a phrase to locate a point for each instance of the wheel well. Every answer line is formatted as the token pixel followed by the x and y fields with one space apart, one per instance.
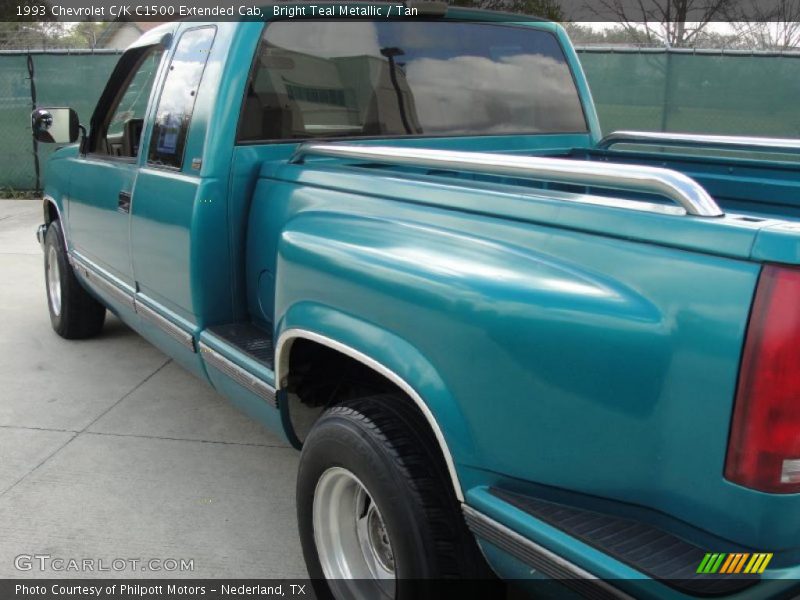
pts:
pixel 315 375
pixel 50 212
pixel 319 376
pixel 325 370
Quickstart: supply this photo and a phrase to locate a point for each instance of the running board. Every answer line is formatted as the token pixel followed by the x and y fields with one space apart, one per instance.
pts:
pixel 250 339
pixel 239 374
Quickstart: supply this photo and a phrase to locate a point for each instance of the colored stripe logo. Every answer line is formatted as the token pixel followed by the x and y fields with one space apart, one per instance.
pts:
pixel 734 563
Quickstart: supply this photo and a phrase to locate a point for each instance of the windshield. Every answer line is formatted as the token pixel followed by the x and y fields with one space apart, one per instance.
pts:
pixel 370 78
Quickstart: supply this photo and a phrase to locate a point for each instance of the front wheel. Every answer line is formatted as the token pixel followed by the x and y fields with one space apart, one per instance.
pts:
pixel 74 313
pixel 376 509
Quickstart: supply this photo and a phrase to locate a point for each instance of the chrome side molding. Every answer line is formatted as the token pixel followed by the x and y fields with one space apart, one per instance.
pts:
pixel 241 376
pixel 540 558
pixel 102 282
pixel 666 183
pixel 689 140
pixel 177 333
pixel 106 284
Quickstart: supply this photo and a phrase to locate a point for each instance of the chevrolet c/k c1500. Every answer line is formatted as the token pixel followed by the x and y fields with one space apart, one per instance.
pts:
pixel 496 337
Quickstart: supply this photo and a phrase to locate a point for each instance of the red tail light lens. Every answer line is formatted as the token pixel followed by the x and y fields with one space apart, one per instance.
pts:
pixel 764 446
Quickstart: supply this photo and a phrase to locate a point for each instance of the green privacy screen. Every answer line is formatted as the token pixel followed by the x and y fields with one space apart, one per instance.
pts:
pixel 70 80
pixel 74 80
pixel 703 92
pixel 15 102
pixel 698 92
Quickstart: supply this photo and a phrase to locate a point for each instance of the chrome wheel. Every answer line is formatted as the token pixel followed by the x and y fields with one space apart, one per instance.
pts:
pixel 350 534
pixel 53 281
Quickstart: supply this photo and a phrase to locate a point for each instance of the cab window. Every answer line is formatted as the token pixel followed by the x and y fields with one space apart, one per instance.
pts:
pixel 118 123
pixel 343 79
pixel 176 104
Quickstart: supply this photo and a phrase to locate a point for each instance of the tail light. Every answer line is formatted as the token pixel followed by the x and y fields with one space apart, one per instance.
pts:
pixel 764 446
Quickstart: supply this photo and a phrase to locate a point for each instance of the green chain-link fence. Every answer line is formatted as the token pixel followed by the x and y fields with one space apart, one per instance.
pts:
pixel 42 79
pixel 15 101
pixel 696 91
pixel 700 91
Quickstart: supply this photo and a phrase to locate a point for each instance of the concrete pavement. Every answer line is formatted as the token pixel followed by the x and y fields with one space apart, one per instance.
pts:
pixel 109 450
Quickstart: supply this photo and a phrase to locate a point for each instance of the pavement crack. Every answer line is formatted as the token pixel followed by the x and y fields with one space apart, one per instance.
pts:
pixel 175 439
pixel 131 391
pixel 44 460
pixel 75 434
pixel 38 428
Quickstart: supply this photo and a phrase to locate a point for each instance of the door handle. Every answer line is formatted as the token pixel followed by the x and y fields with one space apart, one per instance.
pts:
pixel 124 202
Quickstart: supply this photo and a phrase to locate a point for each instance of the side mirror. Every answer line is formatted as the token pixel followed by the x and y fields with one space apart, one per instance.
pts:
pixel 55 125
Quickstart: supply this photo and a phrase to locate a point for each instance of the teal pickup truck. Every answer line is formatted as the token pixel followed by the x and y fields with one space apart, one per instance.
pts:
pixel 497 338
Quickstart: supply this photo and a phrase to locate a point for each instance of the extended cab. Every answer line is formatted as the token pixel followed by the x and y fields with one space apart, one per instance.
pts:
pixel 496 337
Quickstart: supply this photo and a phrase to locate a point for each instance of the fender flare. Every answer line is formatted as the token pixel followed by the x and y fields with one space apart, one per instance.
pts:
pixel 362 351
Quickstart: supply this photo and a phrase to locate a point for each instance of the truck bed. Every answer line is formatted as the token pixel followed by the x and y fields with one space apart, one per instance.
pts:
pixel 754 188
pixel 615 312
pixel 750 211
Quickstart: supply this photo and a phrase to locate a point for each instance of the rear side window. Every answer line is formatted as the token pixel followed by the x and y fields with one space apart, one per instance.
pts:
pixel 176 104
pixel 314 79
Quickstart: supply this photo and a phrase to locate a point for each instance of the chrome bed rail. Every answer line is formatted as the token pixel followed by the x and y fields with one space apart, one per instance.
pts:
pixel 666 183
pixel 689 140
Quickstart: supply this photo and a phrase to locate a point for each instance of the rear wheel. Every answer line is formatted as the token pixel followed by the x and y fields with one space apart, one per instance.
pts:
pixel 350 535
pixel 74 313
pixel 376 508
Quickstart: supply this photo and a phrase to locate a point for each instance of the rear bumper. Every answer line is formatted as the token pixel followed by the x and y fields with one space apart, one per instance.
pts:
pixel 539 559
pixel 623 560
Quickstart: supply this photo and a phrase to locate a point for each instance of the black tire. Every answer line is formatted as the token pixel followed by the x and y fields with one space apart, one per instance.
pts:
pixel 386 443
pixel 79 315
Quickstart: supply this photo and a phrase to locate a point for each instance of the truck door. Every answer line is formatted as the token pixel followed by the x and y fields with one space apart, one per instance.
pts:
pixel 168 183
pixel 103 179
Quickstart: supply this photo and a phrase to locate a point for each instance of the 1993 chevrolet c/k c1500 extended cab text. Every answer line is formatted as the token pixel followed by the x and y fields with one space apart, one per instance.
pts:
pixel 497 337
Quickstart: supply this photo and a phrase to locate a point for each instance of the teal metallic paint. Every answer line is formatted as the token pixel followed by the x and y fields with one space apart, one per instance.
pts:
pixel 249 161
pixel 169 204
pixel 97 228
pixel 778 243
pixel 57 184
pixel 581 82
pixel 188 359
pixel 586 350
pixel 592 332
pixel 392 352
pixel 725 236
pixel 247 402
pixel 161 218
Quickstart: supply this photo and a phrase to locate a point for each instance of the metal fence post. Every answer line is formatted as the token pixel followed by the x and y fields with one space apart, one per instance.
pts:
pixel 32 78
pixel 668 83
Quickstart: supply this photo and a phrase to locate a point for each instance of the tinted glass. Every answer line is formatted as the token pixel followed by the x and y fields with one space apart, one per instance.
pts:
pixel 365 78
pixel 175 106
pixel 133 103
pixel 121 126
